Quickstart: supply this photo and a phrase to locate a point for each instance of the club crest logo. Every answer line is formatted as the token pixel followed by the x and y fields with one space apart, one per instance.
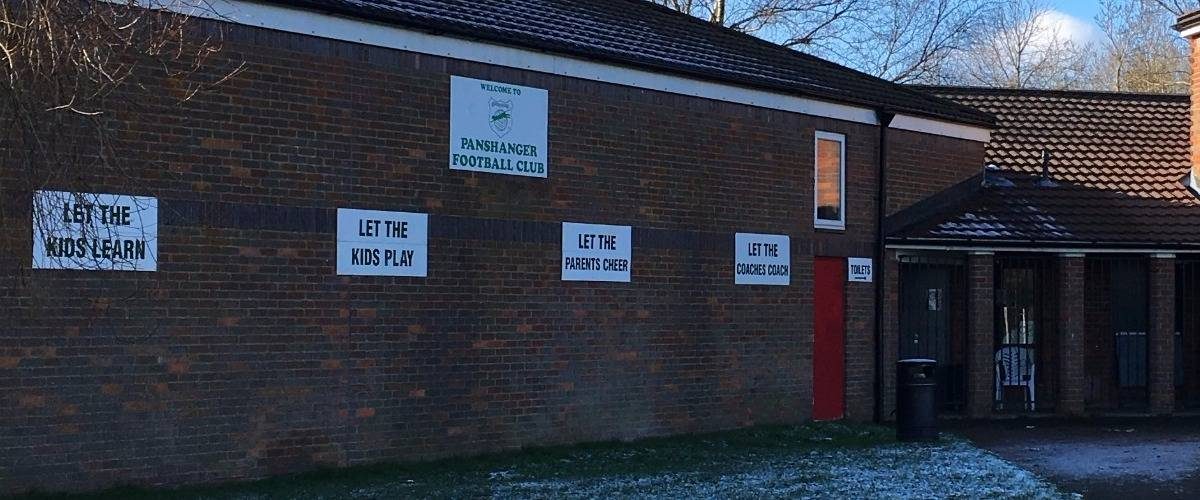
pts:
pixel 500 118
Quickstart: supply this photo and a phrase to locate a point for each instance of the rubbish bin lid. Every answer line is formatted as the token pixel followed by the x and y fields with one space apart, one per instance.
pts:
pixel 921 361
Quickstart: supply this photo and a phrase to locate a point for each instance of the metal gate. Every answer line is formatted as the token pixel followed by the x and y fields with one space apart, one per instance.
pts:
pixel 1026 339
pixel 933 320
pixel 1187 332
pixel 1116 301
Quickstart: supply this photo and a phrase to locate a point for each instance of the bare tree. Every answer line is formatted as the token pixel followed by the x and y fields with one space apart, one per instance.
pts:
pixel 788 22
pixel 1177 7
pixel 1140 51
pixel 794 23
pixel 1024 48
pixel 907 41
pixel 900 40
pixel 77 75
pixel 712 10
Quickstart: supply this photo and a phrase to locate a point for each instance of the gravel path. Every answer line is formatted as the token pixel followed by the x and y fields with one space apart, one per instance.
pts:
pixel 1118 459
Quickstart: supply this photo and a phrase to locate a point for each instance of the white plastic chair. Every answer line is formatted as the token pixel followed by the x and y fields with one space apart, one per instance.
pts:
pixel 1015 367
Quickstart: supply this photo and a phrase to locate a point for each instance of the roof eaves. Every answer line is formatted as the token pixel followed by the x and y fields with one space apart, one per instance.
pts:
pixel 968 90
pixel 962 114
pixel 1039 243
pixel 1187 21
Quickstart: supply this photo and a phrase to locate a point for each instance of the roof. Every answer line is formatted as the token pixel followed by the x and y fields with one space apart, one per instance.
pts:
pixel 642 34
pixel 1189 20
pixel 1118 162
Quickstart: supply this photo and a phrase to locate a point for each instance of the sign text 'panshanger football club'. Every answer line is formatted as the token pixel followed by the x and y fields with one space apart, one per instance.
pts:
pixel 498 128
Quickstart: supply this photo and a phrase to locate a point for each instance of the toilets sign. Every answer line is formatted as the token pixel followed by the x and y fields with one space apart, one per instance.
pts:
pixel 497 127
pixel 379 243
pixel 860 269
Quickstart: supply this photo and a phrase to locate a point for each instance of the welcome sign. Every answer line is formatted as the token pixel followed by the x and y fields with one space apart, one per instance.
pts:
pixel 94 231
pixel 498 128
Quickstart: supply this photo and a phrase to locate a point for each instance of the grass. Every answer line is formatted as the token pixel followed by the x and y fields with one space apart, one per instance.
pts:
pixel 813 460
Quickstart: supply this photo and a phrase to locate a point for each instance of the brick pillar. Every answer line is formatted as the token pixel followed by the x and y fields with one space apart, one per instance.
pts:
pixel 1071 345
pixel 1162 333
pixel 1194 137
pixel 981 364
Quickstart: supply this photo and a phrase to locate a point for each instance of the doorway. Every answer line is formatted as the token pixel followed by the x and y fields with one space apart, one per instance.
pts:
pixel 1117 318
pixel 829 333
pixel 932 322
pixel 1025 330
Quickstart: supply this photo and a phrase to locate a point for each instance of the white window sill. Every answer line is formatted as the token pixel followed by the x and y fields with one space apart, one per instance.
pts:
pixel 830 226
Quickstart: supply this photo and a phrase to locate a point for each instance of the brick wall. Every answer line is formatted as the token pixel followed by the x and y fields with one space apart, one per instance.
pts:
pixel 1194 59
pixel 922 165
pixel 245 355
pixel 860 351
pixel 890 350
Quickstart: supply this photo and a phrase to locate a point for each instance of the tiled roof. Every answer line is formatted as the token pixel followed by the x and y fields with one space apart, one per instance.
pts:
pixel 1119 163
pixel 641 34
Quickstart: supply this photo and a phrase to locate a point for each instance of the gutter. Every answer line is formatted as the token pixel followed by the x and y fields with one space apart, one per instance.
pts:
pixel 1022 245
pixel 1041 249
pixel 885 121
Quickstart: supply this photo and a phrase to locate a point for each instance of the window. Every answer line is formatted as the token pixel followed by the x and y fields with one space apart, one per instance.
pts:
pixel 830 192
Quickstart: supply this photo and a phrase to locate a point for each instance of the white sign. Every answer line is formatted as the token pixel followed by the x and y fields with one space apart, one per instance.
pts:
pixel 860 269
pixel 379 243
pixel 762 259
pixel 596 252
pixel 497 127
pixel 94 231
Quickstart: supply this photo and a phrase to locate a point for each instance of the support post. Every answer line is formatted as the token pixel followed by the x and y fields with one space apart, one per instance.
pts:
pixel 1072 348
pixel 1162 333
pixel 981 363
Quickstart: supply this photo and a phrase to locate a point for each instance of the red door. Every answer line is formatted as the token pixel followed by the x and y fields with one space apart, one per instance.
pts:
pixel 829 330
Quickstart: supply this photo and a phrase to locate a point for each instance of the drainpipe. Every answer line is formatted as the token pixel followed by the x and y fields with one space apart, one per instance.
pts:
pixel 885 121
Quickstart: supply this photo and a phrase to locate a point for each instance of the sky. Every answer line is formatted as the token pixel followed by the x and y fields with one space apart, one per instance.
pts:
pixel 1084 10
pixel 1076 18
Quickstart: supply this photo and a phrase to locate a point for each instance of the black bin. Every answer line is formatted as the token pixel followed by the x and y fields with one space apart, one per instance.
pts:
pixel 916 406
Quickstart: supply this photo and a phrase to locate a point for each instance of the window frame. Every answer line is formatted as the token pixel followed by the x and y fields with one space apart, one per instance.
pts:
pixel 818 222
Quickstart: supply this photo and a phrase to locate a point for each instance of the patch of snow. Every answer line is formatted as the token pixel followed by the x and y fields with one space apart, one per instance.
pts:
pixel 952 469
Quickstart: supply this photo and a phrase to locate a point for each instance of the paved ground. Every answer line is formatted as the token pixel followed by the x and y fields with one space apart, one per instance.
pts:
pixel 1109 458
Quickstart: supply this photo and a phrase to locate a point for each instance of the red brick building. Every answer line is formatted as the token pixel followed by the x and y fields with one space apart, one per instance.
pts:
pixel 1067 268
pixel 260 339
pixel 414 229
pixel 1064 277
